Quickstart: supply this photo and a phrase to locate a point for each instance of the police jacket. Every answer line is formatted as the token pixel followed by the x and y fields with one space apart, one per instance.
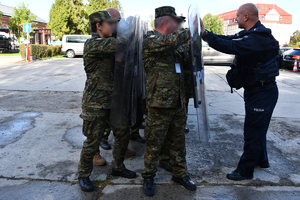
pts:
pixel 256 45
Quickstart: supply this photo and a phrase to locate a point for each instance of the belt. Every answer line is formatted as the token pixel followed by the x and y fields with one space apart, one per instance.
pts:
pixel 255 87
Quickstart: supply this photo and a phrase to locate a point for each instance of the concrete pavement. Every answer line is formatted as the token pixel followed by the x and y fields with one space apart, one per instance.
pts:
pixel 40 140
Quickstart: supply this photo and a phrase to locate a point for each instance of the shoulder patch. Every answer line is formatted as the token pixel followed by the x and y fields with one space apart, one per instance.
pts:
pixel 99 39
pixel 152 36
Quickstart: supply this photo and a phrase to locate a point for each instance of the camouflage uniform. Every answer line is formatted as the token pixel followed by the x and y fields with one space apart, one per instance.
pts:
pixel 165 94
pixel 182 56
pixel 134 130
pixel 97 96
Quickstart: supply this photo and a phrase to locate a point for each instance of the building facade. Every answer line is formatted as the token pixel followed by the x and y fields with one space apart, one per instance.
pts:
pixel 39 32
pixel 270 15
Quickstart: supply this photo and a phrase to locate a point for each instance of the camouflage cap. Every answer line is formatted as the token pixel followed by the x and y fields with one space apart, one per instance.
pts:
pixel 99 16
pixel 167 11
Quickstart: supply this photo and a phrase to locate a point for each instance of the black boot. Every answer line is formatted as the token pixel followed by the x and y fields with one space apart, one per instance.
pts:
pixel 148 186
pixel 168 167
pixel 126 173
pixel 105 145
pixel 264 164
pixel 236 176
pixel 86 184
pixel 185 182
pixel 138 138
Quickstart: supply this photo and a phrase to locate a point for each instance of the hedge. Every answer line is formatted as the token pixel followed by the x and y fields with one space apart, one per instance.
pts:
pixel 40 50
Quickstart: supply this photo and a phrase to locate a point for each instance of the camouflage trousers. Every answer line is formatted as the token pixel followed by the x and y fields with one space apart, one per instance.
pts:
pixel 164 155
pixel 165 128
pixel 93 130
pixel 134 129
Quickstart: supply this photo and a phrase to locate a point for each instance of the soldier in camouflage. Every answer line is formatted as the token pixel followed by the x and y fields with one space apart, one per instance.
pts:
pixel 97 96
pixel 166 99
pixel 182 57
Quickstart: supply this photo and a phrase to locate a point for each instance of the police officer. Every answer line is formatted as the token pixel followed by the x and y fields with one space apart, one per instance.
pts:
pixel 165 95
pixel 99 60
pixel 256 52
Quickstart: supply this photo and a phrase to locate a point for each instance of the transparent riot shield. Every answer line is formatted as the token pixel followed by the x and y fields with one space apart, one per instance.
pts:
pixel 197 67
pixel 136 80
pixel 121 108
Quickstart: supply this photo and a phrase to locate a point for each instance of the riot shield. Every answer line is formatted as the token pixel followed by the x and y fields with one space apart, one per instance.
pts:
pixel 136 80
pixel 121 107
pixel 197 68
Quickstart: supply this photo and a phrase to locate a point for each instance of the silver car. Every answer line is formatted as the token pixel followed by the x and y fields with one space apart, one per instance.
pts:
pixel 72 45
pixel 211 55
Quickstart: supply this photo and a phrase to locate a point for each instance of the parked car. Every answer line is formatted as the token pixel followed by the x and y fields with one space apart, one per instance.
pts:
pixel 289 58
pixel 284 49
pixel 211 55
pixel 55 43
pixel 72 45
pixel 5 42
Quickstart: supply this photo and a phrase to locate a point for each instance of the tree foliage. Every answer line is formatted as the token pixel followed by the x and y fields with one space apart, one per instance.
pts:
pixel 71 16
pixel 213 23
pixel 67 17
pixel 152 24
pixel 295 41
pixel 21 15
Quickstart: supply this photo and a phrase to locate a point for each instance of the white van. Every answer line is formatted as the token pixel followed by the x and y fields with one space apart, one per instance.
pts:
pixel 72 45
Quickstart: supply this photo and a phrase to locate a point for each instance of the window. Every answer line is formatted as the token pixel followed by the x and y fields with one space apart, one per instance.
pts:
pixel 280 18
pixel 262 7
pixel 77 39
pixel 257 7
pixel 263 17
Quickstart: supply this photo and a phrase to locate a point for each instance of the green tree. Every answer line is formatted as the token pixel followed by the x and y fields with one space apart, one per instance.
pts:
pixel 213 23
pixel 67 17
pixel 295 41
pixel 21 15
pixel 96 5
pixel 152 24
pixel 59 17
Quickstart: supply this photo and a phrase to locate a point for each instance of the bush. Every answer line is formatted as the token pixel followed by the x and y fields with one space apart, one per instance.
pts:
pixel 22 51
pixel 40 51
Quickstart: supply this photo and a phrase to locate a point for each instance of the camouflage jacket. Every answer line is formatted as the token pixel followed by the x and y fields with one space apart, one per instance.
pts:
pixel 164 87
pixel 183 55
pixel 99 60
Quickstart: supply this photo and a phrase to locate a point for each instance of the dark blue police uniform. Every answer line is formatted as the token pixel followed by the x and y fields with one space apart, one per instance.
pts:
pixel 252 47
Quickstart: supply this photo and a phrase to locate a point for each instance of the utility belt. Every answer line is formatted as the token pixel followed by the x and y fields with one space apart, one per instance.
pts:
pixel 258 86
pixel 264 73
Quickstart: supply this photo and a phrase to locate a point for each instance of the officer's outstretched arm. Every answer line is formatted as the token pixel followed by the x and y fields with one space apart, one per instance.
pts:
pixel 248 44
pixel 158 43
pixel 226 37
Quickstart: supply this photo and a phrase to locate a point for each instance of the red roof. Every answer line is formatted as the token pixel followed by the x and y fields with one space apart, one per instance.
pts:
pixel 263 9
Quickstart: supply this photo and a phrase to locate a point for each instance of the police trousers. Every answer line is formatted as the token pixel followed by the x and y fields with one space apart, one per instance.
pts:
pixel 259 106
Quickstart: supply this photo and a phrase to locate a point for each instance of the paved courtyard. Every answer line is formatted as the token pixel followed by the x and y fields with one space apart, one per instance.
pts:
pixel 41 139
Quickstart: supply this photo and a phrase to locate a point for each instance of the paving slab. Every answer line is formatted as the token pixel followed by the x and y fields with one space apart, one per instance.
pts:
pixel 203 192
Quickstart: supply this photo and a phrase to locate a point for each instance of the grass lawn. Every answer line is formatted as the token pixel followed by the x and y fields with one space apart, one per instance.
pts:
pixel 10 54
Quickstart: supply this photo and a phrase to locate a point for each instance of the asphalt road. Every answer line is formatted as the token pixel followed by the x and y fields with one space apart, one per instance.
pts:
pixel 40 140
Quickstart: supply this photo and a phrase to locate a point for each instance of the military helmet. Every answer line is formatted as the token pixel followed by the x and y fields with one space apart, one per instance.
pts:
pixel 99 16
pixel 168 11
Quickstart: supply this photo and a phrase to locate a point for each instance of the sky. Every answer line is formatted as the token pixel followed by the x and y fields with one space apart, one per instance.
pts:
pixel 146 8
